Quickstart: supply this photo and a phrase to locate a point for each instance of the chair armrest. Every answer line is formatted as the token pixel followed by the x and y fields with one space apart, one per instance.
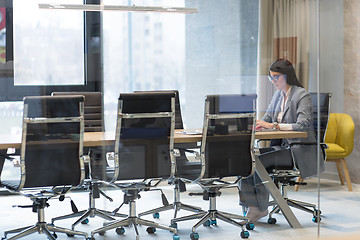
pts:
pixel 322 145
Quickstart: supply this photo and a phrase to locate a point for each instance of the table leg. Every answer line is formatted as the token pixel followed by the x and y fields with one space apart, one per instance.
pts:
pixel 275 193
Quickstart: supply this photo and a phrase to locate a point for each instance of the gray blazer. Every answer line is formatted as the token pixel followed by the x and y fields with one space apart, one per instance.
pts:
pixel 298 111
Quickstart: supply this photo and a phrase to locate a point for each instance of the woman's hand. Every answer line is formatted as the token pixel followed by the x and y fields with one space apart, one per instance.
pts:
pixel 262 124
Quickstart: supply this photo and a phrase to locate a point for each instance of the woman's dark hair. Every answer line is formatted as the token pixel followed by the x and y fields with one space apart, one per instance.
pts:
pixel 285 67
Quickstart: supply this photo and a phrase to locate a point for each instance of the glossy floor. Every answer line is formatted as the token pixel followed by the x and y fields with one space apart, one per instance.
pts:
pixel 340 210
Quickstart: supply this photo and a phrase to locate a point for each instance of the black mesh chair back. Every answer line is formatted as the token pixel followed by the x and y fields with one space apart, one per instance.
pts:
pixel 51 160
pixel 145 132
pixel 52 141
pixel 227 150
pixel 178 118
pixel 324 109
pixel 228 135
pixel 93 109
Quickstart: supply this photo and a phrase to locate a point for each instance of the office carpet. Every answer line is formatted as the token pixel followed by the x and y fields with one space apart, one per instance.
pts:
pixel 340 214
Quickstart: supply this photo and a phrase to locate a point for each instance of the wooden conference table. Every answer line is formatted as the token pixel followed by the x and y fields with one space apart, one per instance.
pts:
pixel 92 139
pixel 108 138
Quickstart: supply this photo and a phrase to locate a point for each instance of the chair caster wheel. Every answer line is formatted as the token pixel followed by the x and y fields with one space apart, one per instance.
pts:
pixel 271 220
pixel 54 235
pixel 70 235
pixel 207 223
pixel 213 222
pixel 156 215
pixel 317 212
pixel 244 234
pixel 90 238
pixel 316 219
pixel 120 230
pixel 250 226
pixel 174 225
pixel 151 230
pixel 102 233
pixel 176 237
pixel 194 236
pixel 85 221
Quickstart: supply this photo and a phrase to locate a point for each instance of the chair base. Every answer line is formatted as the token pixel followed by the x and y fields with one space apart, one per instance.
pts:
pixel 304 206
pixel 42 227
pixel 176 205
pixel 210 218
pixel 132 219
pixel 91 212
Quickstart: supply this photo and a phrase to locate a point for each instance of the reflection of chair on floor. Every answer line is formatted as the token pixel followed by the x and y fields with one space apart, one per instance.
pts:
pixel 181 163
pixel 284 176
pixel 93 115
pixel 340 140
pixel 226 151
pixel 51 159
pixel 145 130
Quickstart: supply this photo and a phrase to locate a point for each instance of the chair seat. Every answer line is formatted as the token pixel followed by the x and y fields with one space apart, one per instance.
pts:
pixel 334 151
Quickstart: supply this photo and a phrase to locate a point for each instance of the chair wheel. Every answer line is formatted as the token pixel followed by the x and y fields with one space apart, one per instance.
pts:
pixel 316 219
pixel 213 222
pixel 85 221
pixel 207 223
pixel 176 237
pixel 317 212
pixel 151 230
pixel 194 236
pixel 244 234
pixel 250 226
pixel 156 215
pixel 54 235
pixel 102 233
pixel 70 235
pixel 120 230
pixel 174 225
pixel 271 221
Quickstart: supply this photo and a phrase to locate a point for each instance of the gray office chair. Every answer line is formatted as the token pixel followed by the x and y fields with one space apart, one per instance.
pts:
pixel 284 176
pixel 51 159
pixel 93 109
pixel 96 169
pixel 226 151
pixel 182 163
pixel 144 130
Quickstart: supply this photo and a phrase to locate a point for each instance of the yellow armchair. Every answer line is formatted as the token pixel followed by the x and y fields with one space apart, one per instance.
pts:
pixel 340 139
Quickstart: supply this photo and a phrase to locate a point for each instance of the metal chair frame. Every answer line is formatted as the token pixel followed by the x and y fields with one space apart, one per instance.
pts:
pixel 285 177
pixel 40 195
pixel 212 186
pixel 132 189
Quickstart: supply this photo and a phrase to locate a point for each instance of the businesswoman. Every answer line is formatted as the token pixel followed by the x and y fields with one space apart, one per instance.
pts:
pixel 289 109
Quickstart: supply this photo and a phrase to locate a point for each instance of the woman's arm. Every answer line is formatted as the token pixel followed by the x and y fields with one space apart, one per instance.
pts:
pixel 303 112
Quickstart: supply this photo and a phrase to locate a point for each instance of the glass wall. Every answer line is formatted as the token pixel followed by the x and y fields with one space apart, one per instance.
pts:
pixel 44 54
pixel 225 48
pixel 211 52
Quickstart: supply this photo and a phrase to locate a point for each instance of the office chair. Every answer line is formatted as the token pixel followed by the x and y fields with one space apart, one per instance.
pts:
pixel 340 140
pixel 226 150
pixel 95 170
pixel 51 157
pixel 181 160
pixel 284 176
pixel 144 132
pixel 93 109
